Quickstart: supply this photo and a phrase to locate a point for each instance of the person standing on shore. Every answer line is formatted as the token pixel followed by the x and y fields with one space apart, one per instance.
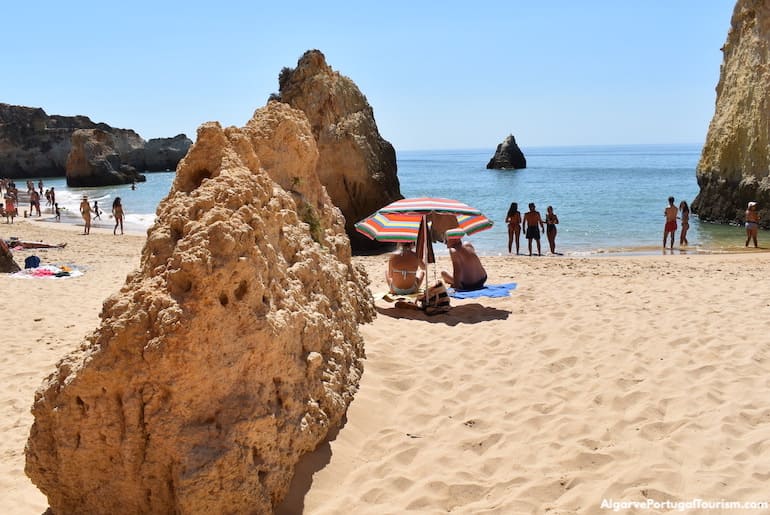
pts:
pixel 117 212
pixel 97 212
pixel 513 219
pixel 85 212
pixel 551 220
pixel 685 210
pixel 670 228
pixel 752 223
pixel 531 230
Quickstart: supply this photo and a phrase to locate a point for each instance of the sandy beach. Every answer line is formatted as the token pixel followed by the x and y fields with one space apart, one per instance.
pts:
pixel 599 379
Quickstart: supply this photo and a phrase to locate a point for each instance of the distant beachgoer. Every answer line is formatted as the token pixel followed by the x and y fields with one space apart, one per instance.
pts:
pixel 670 228
pixel 53 196
pixel 10 208
pixel 531 230
pixel 468 273
pixel 133 185
pixel 752 223
pixel 405 271
pixel 97 212
pixel 117 212
pixel 58 213
pixel 551 221
pixel 513 219
pixel 34 202
pixel 85 211
pixel 40 186
pixel 48 198
pixel 685 210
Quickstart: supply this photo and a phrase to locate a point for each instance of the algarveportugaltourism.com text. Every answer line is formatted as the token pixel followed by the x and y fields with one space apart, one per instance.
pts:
pixel 693 504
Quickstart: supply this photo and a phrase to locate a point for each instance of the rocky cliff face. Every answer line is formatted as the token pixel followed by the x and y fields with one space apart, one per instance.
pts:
pixel 94 160
pixel 735 164
pixel 229 353
pixel 508 156
pixel 357 166
pixel 34 144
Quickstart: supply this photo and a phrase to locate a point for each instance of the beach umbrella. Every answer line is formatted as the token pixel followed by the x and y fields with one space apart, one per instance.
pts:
pixel 399 221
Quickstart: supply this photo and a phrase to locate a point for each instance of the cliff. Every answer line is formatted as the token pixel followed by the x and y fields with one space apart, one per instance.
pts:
pixel 232 351
pixel 34 144
pixel 357 166
pixel 734 167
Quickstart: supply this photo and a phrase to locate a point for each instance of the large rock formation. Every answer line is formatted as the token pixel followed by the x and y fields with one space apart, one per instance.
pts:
pixel 357 166
pixel 34 144
pixel 94 160
pixel 229 353
pixel 508 156
pixel 734 167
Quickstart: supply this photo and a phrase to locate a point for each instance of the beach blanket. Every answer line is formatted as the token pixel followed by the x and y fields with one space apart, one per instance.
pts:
pixel 48 272
pixel 490 290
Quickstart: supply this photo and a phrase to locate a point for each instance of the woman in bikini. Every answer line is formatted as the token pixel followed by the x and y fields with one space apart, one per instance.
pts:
pixel 117 212
pixel 513 219
pixel 405 270
pixel 752 223
pixel 551 220
pixel 685 210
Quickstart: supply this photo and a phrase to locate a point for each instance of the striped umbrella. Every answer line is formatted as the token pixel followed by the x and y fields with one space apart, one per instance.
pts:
pixel 400 221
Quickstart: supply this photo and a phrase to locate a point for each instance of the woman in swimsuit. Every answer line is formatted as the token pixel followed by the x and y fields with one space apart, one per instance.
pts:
pixel 685 209
pixel 551 220
pixel 117 212
pixel 513 219
pixel 405 270
pixel 752 223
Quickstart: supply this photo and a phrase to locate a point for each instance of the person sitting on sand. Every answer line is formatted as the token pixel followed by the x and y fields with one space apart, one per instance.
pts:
pixel 752 223
pixel 531 230
pixel 85 211
pixel 468 273
pixel 670 228
pixel 405 271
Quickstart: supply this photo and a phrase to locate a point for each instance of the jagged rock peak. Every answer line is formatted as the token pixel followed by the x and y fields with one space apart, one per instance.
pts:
pixel 232 351
pixel 508 156
pixel 357 166
pixel 734 167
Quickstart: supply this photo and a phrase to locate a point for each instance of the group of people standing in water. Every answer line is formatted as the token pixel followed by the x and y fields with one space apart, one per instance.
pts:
pixel 532 224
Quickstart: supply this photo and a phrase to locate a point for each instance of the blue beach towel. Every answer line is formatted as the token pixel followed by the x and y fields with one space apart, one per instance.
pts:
pixel 490 290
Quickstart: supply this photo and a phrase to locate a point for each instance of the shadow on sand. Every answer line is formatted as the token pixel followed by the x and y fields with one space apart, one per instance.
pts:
pixel 463 314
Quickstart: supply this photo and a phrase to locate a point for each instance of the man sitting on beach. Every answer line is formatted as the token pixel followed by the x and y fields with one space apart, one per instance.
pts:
pixel 467 271
pixel 670 228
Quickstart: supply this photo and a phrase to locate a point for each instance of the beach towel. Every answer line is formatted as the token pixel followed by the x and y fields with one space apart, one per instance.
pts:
pixel 48 272
pixel 490 290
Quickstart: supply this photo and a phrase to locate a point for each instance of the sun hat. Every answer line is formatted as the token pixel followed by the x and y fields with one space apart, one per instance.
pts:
pixel 752 204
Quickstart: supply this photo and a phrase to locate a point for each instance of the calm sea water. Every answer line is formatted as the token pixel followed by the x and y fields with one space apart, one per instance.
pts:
pixel 608 198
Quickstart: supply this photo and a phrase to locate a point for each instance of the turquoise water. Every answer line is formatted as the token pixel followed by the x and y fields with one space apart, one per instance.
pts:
pixel 608 198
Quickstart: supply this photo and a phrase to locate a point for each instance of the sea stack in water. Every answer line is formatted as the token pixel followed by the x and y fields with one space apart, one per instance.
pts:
pixel 94 160
pixel 357 166
pixel 734 167
pixel 231 351
pixel 508 156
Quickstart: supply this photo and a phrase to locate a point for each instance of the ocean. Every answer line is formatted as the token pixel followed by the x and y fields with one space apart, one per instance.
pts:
pixel 609 199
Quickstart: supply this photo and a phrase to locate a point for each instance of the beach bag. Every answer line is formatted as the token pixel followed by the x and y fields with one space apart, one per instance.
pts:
pixel 32 262
pixel 437 300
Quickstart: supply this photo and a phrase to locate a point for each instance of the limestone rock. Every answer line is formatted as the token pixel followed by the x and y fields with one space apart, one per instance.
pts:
pixel 357 166
pixel 508 156
pixel 734 167
pixel 34 144
pixel 94 159
pixel 165 153
pixel 7 264
pixel 230 352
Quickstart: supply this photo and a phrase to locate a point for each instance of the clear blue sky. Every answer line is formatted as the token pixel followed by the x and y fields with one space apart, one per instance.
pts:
pixel 439 75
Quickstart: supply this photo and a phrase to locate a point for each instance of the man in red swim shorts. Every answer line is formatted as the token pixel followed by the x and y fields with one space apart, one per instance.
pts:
pixel 670 227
